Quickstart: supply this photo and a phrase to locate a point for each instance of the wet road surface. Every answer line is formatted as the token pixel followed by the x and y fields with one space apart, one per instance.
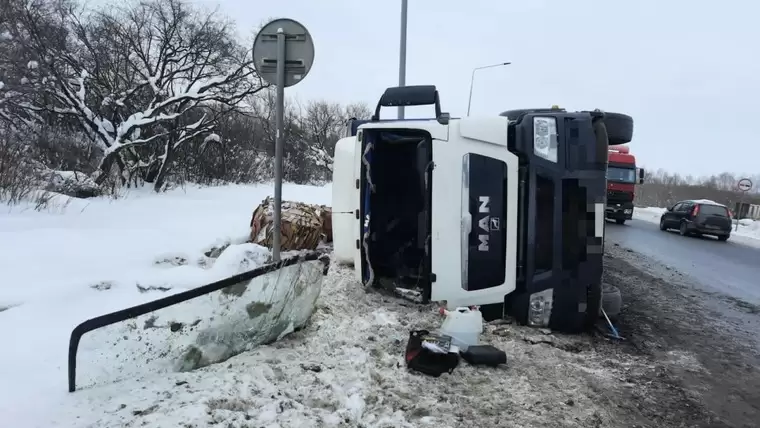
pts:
pixel 731 268
pixel 703 346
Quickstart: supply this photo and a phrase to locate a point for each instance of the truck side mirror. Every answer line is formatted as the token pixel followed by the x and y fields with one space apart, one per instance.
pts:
pixel 641 175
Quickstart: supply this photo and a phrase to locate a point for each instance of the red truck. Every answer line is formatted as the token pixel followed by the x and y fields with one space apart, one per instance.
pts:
pixel 622 177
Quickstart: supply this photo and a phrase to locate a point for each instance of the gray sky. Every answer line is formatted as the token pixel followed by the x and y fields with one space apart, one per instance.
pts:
pixel 687 71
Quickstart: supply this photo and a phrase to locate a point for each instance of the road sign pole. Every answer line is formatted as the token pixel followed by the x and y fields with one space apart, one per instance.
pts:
pixel 283 54
pixel 741 205
pixel 280 124
pixel 744 185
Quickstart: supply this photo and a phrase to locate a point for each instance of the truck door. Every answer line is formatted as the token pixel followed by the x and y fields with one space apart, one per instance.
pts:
pixel 474 218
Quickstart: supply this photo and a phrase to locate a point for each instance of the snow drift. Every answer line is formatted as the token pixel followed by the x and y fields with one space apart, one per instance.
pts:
pixel 203 330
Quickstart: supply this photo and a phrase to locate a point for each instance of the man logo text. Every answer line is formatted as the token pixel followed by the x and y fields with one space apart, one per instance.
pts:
pixel 483 222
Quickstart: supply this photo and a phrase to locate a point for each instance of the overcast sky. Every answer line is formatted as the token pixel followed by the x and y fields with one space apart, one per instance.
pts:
pixel 687 71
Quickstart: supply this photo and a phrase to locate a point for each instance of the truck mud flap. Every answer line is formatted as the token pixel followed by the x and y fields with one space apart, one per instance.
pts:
pixel 198 327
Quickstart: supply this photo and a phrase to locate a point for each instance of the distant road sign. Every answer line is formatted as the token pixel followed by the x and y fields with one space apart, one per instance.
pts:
pixel 745 184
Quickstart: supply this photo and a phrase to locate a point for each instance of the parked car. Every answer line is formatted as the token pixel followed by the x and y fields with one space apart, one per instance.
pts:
pixel 698 217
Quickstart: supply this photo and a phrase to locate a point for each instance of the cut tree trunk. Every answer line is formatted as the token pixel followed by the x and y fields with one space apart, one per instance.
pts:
pixel 304 226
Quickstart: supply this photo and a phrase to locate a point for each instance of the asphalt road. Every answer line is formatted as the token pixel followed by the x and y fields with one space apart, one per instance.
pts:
pixel 729 268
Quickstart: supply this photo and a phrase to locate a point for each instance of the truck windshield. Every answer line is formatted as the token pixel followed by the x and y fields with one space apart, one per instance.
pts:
pixel 624 175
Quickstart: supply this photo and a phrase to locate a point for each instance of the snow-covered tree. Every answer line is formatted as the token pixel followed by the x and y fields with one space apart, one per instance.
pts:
pixel 141 80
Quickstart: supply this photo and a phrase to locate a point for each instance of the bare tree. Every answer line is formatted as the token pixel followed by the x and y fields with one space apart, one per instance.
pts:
pixel 663 189
pixel 322 124
pixel 130 77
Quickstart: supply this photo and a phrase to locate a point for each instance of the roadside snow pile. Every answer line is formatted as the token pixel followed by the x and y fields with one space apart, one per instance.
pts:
pixel 651 214
pixel 90 257
pixel 207 329
pixel 346 369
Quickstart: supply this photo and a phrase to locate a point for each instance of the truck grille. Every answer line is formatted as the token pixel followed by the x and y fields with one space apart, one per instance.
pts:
pixel 618 196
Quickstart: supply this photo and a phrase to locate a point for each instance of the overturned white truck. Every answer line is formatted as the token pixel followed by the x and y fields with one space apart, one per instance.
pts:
pixel 505 212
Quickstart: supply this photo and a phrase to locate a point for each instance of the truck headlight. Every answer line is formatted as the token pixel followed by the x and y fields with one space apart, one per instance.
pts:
pixel 545 137
pixel 540 308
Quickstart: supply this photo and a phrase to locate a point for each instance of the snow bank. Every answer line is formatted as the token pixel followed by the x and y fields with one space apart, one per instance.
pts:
pixel 344 369
pixel 208 329
pixel 651 214
pixel 85 258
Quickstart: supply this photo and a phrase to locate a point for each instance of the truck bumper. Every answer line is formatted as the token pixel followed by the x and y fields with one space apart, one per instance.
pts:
pixel 619 211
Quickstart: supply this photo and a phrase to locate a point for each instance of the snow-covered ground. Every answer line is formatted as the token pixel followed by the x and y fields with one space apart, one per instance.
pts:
pixel 344 369
pixel 83 258
pixel 748 233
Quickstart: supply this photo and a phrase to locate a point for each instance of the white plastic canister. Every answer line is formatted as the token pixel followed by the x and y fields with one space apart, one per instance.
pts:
pixel 464 325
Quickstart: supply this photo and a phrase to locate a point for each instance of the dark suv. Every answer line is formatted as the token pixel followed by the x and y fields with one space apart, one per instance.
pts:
pixel 700 217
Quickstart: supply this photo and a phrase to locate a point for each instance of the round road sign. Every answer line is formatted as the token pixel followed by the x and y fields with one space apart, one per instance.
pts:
pixel 745 184
pixel 299 51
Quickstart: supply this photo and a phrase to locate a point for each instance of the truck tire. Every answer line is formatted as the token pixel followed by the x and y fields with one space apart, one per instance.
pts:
pixel 602 141
pixel 619 128
pixel 612 301
pixel 620 220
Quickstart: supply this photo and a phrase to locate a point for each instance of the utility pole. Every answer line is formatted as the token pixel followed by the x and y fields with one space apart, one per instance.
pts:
pixel 472 80
pixel 402 53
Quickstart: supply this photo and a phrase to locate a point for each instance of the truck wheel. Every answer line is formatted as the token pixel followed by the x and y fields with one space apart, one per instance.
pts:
pixel 662 224
pixel 612 301
pixel 620 220
pixel 619 128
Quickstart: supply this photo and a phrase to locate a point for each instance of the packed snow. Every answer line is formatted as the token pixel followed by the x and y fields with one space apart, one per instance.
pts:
pixel 748 232
pixel 84 258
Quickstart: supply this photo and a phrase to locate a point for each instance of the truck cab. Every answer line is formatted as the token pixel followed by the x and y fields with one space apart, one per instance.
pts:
pixel 503 212
pixel 622 177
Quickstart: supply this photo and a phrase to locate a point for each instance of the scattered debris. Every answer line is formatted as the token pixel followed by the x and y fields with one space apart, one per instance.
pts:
pixel 149 323
pixel 316 368
pixel 303 226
